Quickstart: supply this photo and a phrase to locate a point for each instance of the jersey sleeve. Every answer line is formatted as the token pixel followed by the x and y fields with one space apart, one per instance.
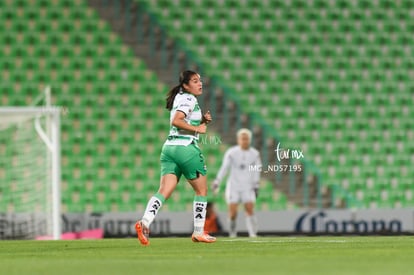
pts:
pixel 225 166
pixel 186 105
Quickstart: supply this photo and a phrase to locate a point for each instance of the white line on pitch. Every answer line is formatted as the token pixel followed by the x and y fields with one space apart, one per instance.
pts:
pixel 285 241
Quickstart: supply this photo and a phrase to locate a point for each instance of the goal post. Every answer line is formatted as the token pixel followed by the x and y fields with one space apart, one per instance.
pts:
pixel 30 176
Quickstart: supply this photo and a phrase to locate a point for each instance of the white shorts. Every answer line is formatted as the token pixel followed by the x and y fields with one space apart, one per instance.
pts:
pixel 240 196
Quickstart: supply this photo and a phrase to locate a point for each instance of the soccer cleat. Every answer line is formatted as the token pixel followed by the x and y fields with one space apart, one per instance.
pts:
pixel 143 233
pixel 203 238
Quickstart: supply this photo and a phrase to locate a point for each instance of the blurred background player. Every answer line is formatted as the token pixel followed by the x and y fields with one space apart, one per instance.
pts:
pixel 181 155
pixel 242 183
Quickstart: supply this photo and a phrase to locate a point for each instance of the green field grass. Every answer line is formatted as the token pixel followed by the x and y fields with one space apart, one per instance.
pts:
pixel 282 255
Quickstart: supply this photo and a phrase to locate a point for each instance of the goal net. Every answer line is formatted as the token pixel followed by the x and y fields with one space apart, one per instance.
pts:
pixel 29 172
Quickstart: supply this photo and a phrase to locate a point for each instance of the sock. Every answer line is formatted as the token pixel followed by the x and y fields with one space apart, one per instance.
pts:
pixel 251 224
pixel 232 227
pixel 199 210
pixel 154 204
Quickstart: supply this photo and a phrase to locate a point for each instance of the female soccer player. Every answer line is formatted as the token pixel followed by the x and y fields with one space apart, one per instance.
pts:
pixel 243 183
pixel 180 155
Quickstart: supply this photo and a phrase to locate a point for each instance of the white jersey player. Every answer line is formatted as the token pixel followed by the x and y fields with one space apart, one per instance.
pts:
pixel 243 182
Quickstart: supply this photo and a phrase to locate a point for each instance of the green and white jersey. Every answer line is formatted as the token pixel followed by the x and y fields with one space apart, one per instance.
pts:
pixel 186 103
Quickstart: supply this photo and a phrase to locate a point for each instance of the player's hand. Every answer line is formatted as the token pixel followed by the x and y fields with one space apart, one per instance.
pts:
pixel 202 128
pixel 207 118
pixel 215 187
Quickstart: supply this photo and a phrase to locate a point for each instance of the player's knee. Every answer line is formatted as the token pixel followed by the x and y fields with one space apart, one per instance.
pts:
pixel 232 213
pixel 249 208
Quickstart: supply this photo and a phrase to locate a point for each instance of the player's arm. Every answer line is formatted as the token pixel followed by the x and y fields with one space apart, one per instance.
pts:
pixel 179 122
pixel 224 168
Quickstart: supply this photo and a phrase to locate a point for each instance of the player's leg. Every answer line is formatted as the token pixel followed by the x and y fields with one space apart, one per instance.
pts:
pixel 194 169
pixel 232 199
pixel 232 219
pixel 200 210
pixel 200 202
pixel 251 221
pixel 167 185
pixel 170 175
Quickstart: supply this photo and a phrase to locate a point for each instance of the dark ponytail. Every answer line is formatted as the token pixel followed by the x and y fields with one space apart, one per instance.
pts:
pixel 185 77
pixel 171 96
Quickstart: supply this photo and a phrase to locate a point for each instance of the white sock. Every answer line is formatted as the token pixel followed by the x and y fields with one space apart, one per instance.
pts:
pixel 154 204
pixel 251 224
pixel 199 211
pixel 232 228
